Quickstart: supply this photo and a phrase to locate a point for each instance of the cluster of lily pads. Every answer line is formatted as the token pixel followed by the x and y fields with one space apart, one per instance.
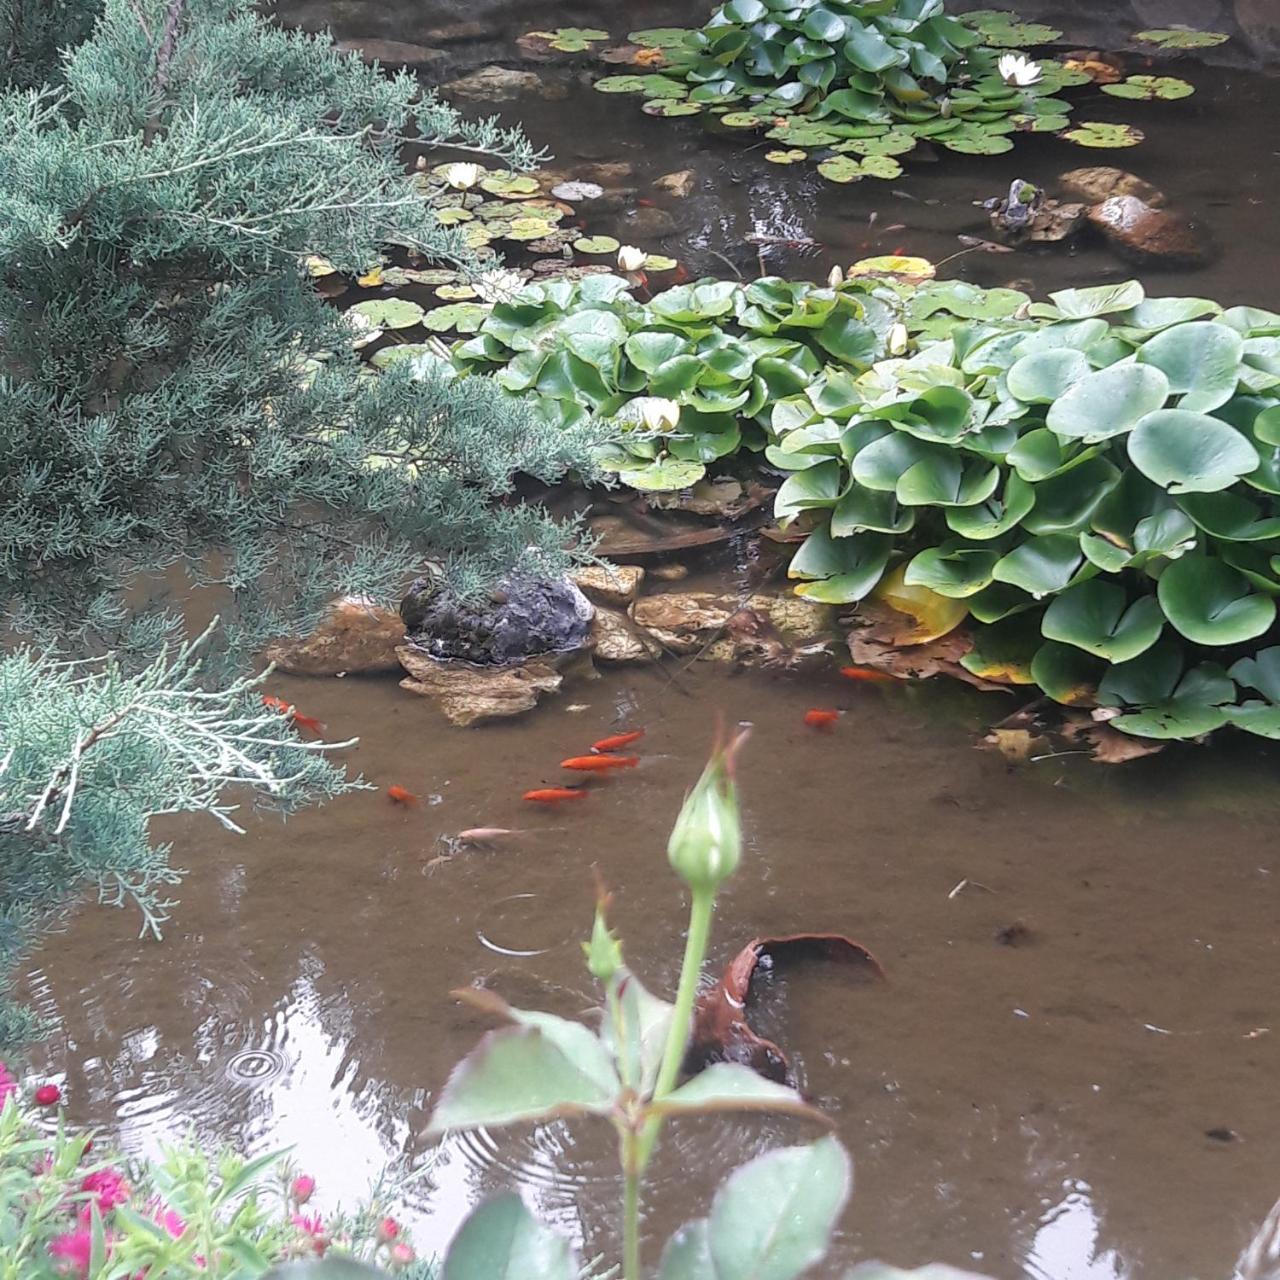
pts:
pixel 858 83
pixel 1095 483
pixel 689 377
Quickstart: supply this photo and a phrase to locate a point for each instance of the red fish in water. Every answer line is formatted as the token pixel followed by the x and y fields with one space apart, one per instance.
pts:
pixel 553 795
pixel 617 742
pixel 287 709
pixel 599 764
pixel 817 718
pixel 869 674
pixel 399 795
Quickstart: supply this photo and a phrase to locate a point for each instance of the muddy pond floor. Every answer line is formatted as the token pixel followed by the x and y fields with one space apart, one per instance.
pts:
pixel 1070 1071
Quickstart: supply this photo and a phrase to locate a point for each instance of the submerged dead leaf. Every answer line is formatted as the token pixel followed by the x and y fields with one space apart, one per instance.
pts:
pixel 1014 744
pixel 720 1029
pixel 1107 745
pixel 877 640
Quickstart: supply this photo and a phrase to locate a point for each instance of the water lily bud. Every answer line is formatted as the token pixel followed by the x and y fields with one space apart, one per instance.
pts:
pixel 836 278
pixel 706 843
pixel 898 338
pixel 656 413
pixel 630 258
pixel 302 1188
pixel 462 176
pixel 603 952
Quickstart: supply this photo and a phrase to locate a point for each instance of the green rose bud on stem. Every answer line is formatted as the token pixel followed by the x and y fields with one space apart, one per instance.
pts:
pixel 604 951
pixel 706 842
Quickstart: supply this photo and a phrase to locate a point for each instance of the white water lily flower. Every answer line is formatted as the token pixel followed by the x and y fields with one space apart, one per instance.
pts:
pixel 836 278
pixel 630 258
pixel 655 412
pixel 462 176
pixel 1018 69
pixel 498 285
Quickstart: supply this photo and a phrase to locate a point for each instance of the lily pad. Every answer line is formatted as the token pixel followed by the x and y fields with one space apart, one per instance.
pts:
pixel 1093 133
pixel 458 317
pixel 1099 618
pixel 843 168
pixel 1190 452
pixel 1210 603
pixel 1201 359
pixel 1108 402
pixel 666 108
pixel 661 37
pixel 1182 38
pixel 510 185
pixel 596 246
pixel 792 156
pixel 1150 88
pixel 390 313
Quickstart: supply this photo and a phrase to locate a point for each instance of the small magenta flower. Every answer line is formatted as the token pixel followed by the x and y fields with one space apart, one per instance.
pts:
pixel 303 1188
pixel 8 1085
pixel 71 1252
pixel 401 1255
pixel 170 1219
pixel 388 1230
pixel 108 1188
pixel 312 1226
pixel 48 1095
pixel 706 842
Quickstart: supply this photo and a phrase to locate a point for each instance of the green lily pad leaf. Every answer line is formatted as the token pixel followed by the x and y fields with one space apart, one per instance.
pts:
pixel 657 262
pixel 741 120
pixel 896 142
pixel 1043 376
pixel 1260 718
pixel 811 489
pixel 661 37
pixel 1260 672
pixel 1149 88
pixel 390 313
pixel 668 108
pixel 999 601
pixel 664 475
pixel 1066 502
pixel 597 246
pixel 502 1238
pixel 1201 360
pixel 1004 652
pixel 880 464
pixel 1002 30
pixel 1161 313
pixel 1108 402
pixel 458 317
pixel 860 510
pixel 1041 566
pixel 1100 300
pixel 1097 617
pixel 1181 38
pixel 993 517
pixel 623 84
pixel 1190 452
pixel 843 168
pixel 944 480
pixel 952 570
pixel 1210 603
pixel 1230 516
pixel 518 185
pixel 772 1218
pixel 792 156
pixel 850 566
pixel 973 140
pixel 1040 454
pixel 1093 133
pixel 1068 675
pixel 1175 720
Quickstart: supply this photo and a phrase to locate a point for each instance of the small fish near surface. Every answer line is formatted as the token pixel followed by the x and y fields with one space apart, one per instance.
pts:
pixel 868 675
pixel 820 718
pixel 286 709
pixel 617 742
pixel 485 835
pixel 599 764
pixel 554 795
pixel 399 795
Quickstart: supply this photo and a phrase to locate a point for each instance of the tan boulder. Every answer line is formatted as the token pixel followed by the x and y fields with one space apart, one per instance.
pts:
pixel 615 585
pixel 1097 183
pixel 470 694
pixel 617 639
pixel 355 638
pixel 1145 235
pixel 678 184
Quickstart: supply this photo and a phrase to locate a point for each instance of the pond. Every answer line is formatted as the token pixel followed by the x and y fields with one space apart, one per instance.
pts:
pixel 1069 1071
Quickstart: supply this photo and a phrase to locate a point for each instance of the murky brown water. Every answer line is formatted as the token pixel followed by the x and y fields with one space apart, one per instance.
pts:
pixel 1040 1109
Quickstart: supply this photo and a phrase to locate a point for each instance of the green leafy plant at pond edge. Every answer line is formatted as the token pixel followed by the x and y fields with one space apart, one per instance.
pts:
pixel 841 76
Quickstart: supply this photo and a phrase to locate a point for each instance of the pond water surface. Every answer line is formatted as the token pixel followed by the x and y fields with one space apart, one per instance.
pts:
pixel 1095 1101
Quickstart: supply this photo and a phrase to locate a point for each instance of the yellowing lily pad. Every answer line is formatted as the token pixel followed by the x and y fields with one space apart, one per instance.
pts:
pixel 318 267
pixel 656 262
pixel 455 292
pixel 792 155
pixel 371 279
pixel 510 185
pixel 665 107
pixel 1091 133
pixel 934 615
pixel 910 270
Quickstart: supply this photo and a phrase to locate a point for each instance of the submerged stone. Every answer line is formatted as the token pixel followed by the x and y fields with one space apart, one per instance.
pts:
pixel 1146 235
pixel 1097 183
pixel 501 84
pixel 469 694
pixel 610 584
pixel 355 638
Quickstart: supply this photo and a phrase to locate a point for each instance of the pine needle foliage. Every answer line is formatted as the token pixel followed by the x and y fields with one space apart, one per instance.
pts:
pixel 172 391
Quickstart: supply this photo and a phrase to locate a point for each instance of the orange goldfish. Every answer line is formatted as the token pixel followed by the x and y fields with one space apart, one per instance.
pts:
pixel 817 718
pixel 287 709
pixel 398 795
pixel 869 674
pixel 617 742
pixel 553 795
pixel 599 764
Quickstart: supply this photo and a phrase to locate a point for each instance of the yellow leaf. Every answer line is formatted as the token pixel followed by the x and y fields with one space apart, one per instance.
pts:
pixel 934 615
pixel 371 279
pixel 910 270
pixel 318 266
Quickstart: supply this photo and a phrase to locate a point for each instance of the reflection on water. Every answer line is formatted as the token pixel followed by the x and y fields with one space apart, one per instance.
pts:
pixel 1066 1243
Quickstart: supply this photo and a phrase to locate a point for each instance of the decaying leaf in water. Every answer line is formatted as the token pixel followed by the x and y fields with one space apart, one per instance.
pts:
pixel 1014 744
pixel 1108 745
pixel 1097 67
pixel 720 1029
pixel 876 641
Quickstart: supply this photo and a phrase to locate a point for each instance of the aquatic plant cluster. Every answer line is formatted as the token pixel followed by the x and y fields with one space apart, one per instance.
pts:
pixel 1092 480
pixel 859 83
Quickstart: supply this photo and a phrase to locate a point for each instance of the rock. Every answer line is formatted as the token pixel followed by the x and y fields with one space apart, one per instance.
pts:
pixel 355 638
pixel 673 572
pixel 392 53
pixel 469 694
pixel 684 621
pixel 610 584
pixel 520 621
pixel 678 184
pixel 464 32
pixel 1260 24
pixel 724 496
pixel 800 621
pixel 501 84
pixel 1146 235
pixel 606 173
pixel 617 639
pixel 1094 185
pixel 644 224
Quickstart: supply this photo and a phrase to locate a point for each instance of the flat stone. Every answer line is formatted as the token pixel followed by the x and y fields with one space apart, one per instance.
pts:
pixel 1146 235
pixel 674 572
pixel 355 638
pixel 391 53
pixel 606 173
pixel 501 84
pixel 468 694
pixel 1101 182
pixel 678 184
pixel 616 639
pixel 800 621
pixel 610 584
pixel 644 223
pixel 683 620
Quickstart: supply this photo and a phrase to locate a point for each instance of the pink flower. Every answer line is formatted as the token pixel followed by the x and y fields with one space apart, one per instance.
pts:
pixel 8 1085
pixel 48 1095
pixel 303 1186
pixel 71 1252
pixel 169 1219
pixel 388 1230
pixel 401 1255
pixel 109 1189
pixel 312 1225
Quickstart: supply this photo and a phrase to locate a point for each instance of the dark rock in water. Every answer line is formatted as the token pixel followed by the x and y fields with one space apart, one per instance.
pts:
pixel 1146 235
pixel 645 224
pixel 501 84
pixel 520 621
